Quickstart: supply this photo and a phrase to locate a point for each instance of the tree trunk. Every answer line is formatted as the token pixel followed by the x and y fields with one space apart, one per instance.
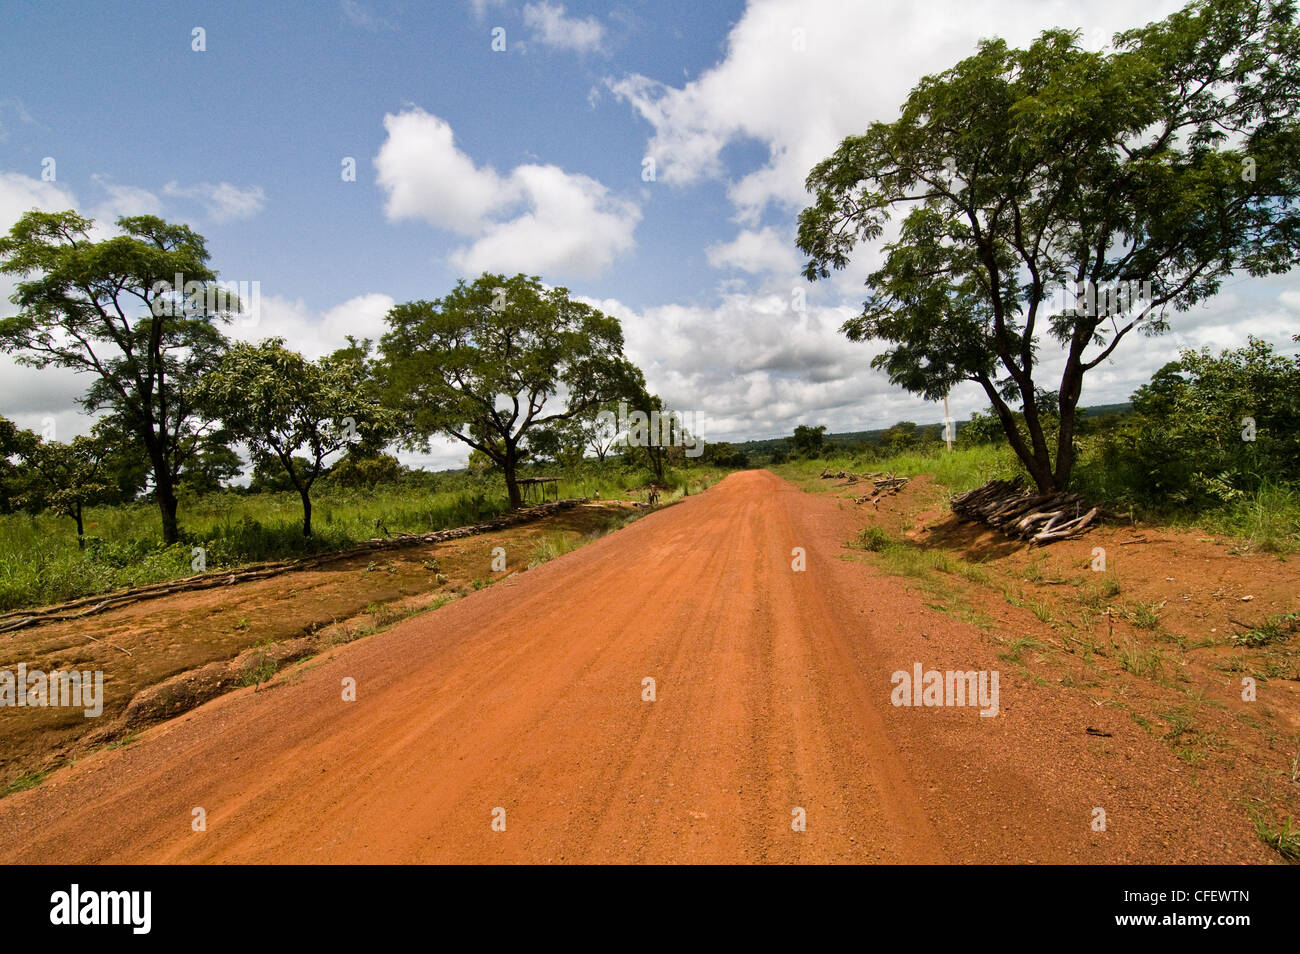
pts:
pixel 508 468
pixel 166 497
pixel 81 532
pixel 1071 388
pixel 1039 468
pixel 305 494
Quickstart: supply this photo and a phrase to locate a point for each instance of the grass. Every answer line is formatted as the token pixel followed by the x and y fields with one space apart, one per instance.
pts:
pixel 874 539
pixel 1144 615
pixel 258 670
pixel 1266 519
pixel 40 562
pixel 24 782
pixel 1140 662
pixel 963 469
pixel 554 545
pixel 1285 839
pixel 1273 630
pixel 1015 653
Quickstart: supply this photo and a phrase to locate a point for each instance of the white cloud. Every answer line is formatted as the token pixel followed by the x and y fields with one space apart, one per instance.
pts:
pixel 574 227
pixel 756 252
pixel 857 64
pixel 123 200
pixel 552 28
pixel 538 218
pixel 223 201
pixel 358 14
pixel 311 333
pixel 427 177
pixel 20 194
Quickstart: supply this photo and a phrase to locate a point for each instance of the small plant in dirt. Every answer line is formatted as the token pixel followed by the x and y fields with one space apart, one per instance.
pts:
pixel 1140 662
pixel 1016 651
pixel 384 613
pixel 1285 839
pixel 552 546
pixel 874 539
pixel 242 625
pixel 259 669
pixel 1273 630
pixel 24 782
pixel 1144 615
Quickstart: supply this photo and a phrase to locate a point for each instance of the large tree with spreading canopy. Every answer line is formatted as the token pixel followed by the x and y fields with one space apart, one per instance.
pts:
pixel 1059 193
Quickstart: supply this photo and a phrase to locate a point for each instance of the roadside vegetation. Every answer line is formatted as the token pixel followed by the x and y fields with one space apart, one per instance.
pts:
pixel 41 562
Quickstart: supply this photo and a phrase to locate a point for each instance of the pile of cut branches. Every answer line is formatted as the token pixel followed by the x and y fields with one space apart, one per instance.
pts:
pixel 846 475
pixel 882 488
pixel 1041 518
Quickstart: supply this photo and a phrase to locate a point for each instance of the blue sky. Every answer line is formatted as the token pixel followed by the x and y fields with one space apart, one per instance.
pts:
pixel 528 159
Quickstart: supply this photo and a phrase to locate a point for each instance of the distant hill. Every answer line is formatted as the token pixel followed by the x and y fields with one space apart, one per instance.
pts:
pixel 765 446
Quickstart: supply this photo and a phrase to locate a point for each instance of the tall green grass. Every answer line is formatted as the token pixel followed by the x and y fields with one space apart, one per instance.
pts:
pixel 40 562
pixel 963 469
pixel 1266 519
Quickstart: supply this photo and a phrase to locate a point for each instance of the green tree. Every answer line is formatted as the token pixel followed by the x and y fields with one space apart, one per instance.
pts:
pixel 726 455
pixel 563 443
pixel 108 308
pixel 482 363
pixel 366 470
pixel 282 405
pixel 213 464
pixel 12 439
pixel 809 441
pixel 599 429
pixel 1170 163
pixel 1209 427
pixel 67 478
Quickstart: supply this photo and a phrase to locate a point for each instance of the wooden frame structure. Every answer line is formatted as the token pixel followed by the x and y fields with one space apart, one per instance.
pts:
pixel 541 484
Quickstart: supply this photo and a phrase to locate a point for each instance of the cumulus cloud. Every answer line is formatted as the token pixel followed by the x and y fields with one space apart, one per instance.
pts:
pixel 753 365
pixel 795 79
pixel 756 252
pixel 553 28
pixel 427 177
pixel 536 218
pixel 224 202
pixel 798 78
pixel 315 333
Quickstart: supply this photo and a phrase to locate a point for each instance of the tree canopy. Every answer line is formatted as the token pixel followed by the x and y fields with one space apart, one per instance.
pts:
pixel 483 364
pixel 109 308
pixel 281 405
pixel 1040 187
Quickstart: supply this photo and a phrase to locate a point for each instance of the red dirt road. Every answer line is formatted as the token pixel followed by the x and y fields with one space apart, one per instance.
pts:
pixel 773 693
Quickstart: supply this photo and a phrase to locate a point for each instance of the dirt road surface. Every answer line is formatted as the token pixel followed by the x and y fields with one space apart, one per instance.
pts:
pixel 523 707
